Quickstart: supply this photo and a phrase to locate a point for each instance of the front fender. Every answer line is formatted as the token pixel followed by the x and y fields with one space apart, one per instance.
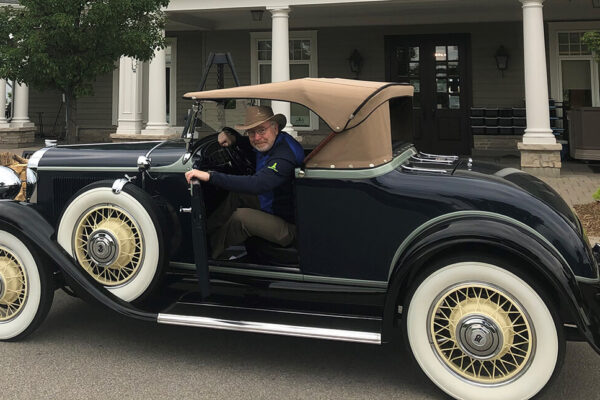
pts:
pixel 23 218
pixel 447 236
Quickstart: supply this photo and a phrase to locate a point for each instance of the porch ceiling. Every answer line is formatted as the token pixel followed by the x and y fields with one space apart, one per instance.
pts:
pixel 376 12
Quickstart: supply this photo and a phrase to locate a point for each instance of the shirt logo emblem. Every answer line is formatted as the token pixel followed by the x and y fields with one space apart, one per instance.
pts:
pixel 273 167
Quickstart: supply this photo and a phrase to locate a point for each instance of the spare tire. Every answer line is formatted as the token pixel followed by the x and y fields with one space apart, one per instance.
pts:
pixel 116 238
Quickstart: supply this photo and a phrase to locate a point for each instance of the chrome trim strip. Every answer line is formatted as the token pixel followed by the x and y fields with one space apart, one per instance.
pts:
pixel 270 328
pixel 345 281
pixel 255 273
pixel 284 275
pixel 488 214
pixel 99 169
pixel 362 173
pixel 314 314
pixel 176 167
pixel 105 143
pixel 35 158
pixel 432 160
pixel 454 158
pixel 417 169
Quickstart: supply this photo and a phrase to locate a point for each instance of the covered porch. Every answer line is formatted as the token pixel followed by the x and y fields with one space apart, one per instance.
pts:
pixel 446 48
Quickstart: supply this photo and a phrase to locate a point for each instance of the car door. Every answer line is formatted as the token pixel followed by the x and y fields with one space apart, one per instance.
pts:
pixel 199 237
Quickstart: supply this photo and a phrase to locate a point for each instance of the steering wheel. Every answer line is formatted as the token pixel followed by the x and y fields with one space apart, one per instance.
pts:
pixel 239 160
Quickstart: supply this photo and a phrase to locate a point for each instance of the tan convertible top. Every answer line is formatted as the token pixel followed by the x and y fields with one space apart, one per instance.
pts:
pixel 334 100
pixel 344 104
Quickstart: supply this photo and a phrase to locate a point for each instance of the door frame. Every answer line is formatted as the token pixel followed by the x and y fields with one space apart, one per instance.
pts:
pixel 463 39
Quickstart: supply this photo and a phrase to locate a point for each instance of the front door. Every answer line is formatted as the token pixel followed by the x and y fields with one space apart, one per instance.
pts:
pixel 437 66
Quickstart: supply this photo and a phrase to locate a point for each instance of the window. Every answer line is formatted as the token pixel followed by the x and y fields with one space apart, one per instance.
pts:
pixel 573 70
pixel 303 63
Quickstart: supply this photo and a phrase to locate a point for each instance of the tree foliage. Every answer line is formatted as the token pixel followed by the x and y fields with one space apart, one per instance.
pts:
pixel 592 41
pixel 67 44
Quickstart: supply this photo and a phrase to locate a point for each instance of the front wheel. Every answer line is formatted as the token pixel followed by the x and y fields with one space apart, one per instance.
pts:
pixel 26 289
pixel 479 331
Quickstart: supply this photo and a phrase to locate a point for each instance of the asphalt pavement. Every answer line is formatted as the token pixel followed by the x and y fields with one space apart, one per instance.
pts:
pixel 83 351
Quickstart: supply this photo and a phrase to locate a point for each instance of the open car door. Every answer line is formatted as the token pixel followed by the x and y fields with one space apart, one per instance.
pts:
pixel 199 237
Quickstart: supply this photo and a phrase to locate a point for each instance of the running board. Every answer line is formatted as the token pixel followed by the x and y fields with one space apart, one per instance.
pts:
pixel 271 328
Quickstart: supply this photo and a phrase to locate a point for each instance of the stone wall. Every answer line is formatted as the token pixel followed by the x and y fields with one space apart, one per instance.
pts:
pixel 496 145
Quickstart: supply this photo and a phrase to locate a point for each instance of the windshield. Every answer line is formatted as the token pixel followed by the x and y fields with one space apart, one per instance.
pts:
pixel 214 116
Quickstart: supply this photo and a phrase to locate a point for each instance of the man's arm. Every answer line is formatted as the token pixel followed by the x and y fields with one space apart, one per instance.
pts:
pixel 277 172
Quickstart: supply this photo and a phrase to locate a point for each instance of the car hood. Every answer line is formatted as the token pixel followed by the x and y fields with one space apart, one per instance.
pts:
pixel 526 182
pixel 111 155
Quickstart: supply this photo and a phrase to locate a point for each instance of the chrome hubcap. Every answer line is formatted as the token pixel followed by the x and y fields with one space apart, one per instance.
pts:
pixel 108 244
pixel 103 248
pixel 479 337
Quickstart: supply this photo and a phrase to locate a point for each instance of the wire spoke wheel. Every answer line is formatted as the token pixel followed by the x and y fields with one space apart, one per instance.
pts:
pixel 13 285
pixel 481 333
pixel 108 244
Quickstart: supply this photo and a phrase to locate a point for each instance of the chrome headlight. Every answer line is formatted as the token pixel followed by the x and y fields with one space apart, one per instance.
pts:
pixel 10 184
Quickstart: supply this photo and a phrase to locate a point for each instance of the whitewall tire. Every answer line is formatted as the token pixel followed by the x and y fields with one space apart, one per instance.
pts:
pixel 26 291
pixel 116 238
pixel 480 332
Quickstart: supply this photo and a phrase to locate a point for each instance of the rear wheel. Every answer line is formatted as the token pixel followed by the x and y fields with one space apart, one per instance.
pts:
pixel 26 290
pixel 479 331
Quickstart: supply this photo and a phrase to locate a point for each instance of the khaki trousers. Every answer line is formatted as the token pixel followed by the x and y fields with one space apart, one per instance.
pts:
pixel 239 217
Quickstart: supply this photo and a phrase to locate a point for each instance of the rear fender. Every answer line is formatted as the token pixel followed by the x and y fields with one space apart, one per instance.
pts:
pixel 448 237
pixel 23 218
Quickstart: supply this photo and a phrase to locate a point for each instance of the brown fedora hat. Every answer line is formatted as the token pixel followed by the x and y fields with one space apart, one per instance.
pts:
pixel 256 115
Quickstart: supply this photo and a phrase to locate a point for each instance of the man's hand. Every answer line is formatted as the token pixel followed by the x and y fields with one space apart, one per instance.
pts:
pixel 226 139
pixel 197 174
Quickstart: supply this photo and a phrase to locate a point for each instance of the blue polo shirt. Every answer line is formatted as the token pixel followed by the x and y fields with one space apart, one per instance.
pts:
pixel 272 180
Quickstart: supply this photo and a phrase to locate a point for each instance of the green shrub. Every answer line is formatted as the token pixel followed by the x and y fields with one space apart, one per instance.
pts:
pixel 596 196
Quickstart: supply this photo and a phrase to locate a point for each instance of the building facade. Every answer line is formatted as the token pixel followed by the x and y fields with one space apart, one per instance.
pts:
pixel 466 58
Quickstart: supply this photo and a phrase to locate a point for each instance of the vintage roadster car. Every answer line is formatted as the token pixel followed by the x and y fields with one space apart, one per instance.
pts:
pixel 485 270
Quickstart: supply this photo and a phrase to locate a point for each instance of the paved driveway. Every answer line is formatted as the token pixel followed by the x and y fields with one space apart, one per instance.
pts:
pixel 85 352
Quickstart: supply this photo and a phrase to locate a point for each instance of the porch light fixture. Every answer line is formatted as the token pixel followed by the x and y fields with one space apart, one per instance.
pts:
pixel 502 59
pixel 257 15
pixel 355 60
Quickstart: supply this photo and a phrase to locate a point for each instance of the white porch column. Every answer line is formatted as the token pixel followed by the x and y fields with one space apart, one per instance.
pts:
pixel 157 96
pixel 280 59
pixel 540 154
pixel 3 121
pixel 21 104
pixel 130 97
pixel 536 80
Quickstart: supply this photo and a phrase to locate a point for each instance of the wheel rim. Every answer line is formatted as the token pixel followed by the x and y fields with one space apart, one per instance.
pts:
pixel 13 285
pixel 481 334
pixel 109 245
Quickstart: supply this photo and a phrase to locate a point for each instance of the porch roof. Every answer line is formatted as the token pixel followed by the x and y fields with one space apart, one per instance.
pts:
pixel 341 103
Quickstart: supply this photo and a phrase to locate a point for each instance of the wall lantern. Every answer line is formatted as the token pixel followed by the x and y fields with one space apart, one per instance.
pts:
pixel 502 59
pixel 355 61
pixel 257 15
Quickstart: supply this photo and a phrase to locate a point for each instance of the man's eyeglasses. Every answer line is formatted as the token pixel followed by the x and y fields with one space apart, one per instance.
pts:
pixel 257 131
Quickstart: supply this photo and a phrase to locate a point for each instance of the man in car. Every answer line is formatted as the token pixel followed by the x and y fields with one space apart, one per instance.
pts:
pixel 261 204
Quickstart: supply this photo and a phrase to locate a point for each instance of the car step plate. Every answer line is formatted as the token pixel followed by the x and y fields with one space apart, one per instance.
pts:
pixel 347 328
